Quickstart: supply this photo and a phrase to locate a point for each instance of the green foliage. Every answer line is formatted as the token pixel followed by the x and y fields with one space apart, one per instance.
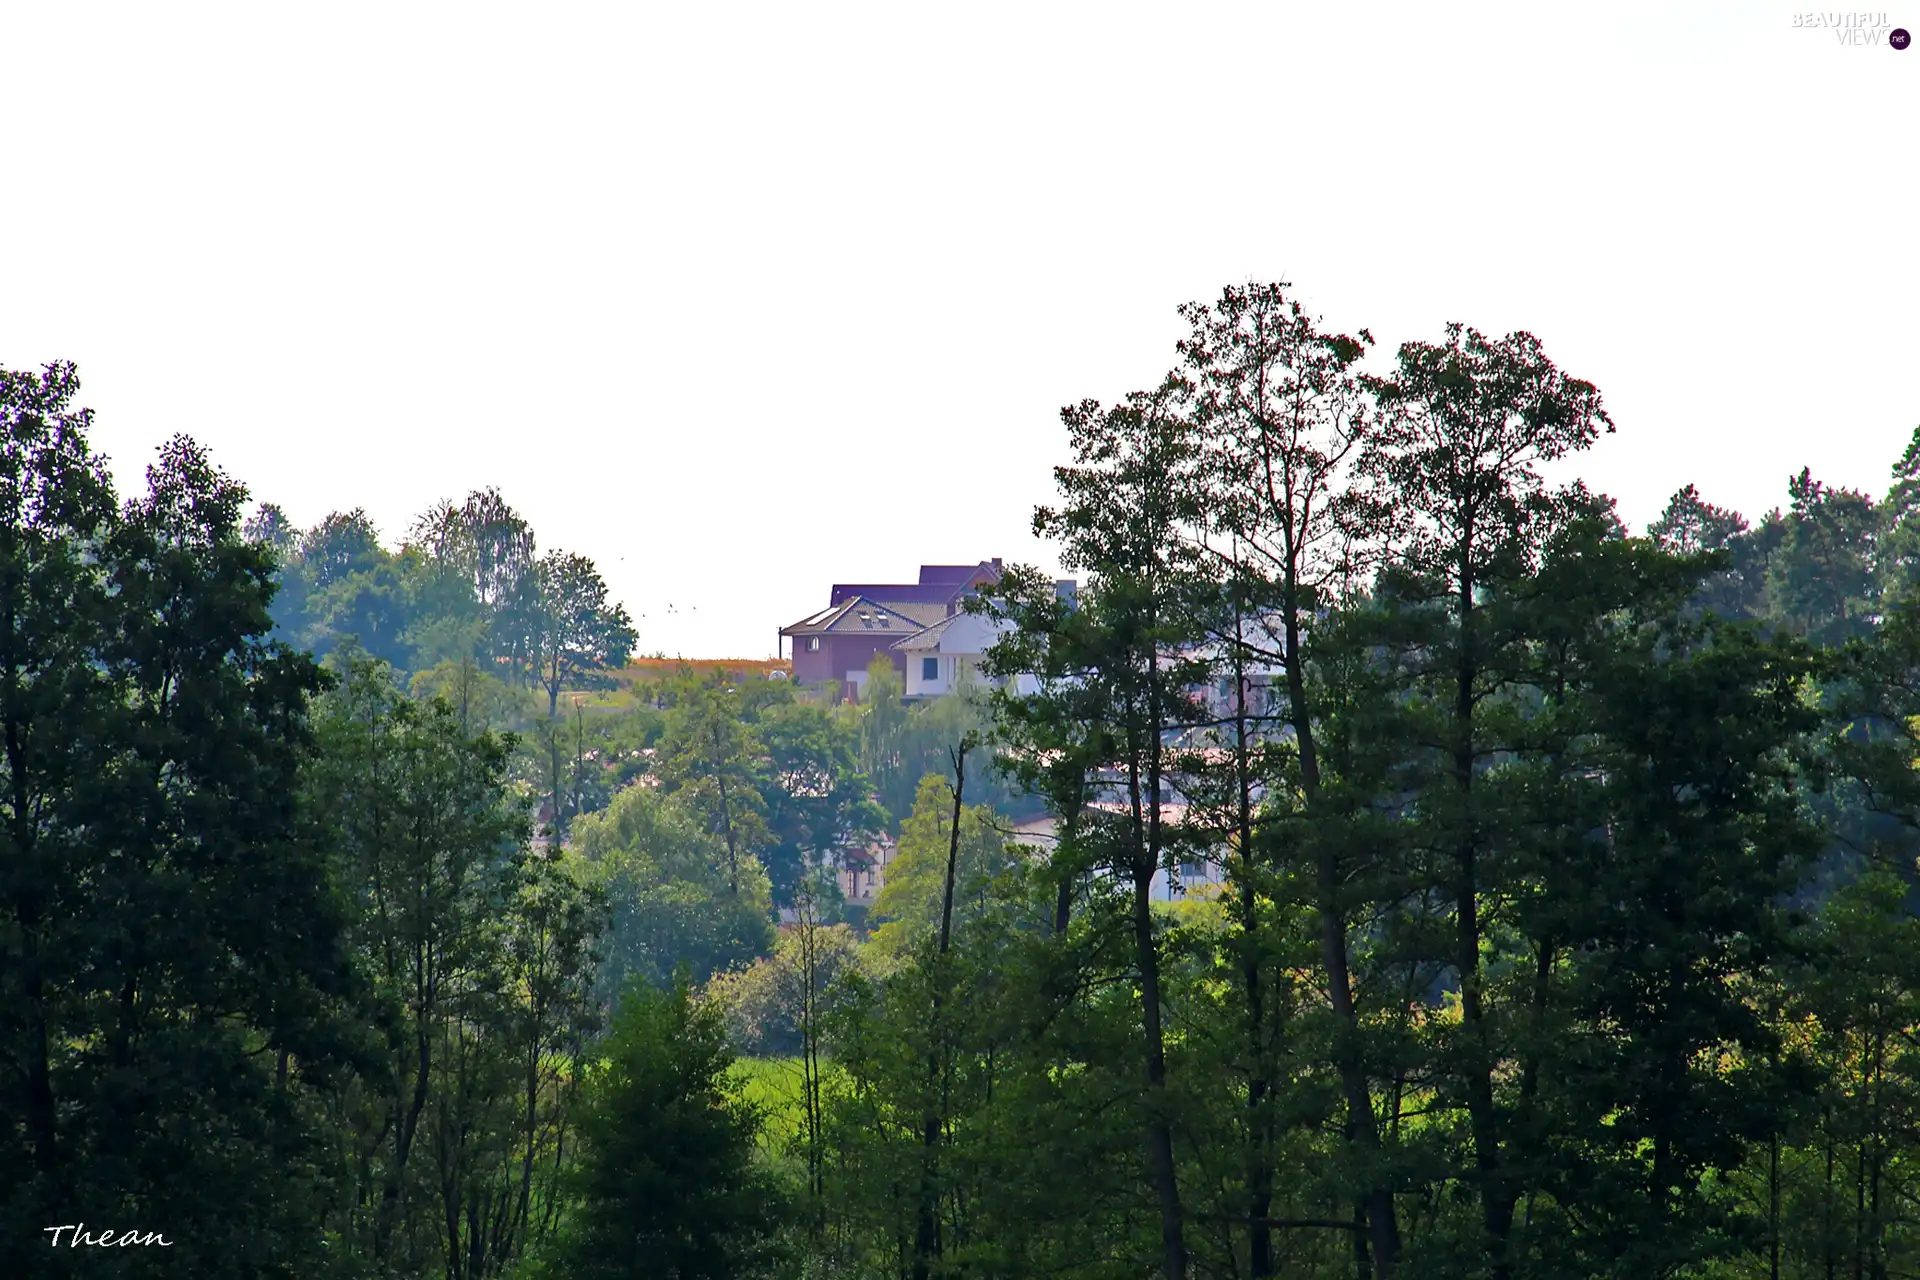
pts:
pixel 465 587
pixel 480 960
pixel 573 632
pixel 910 902
pixel 1563 924
pixel 666 878
pixel 1822 581
pixel 167 932
pixel 712 758
pixel 765 1004
pixel 667 1183
pixel 901 743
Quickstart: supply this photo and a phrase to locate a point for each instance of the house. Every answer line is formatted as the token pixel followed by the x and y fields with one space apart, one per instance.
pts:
pixel 1194 875
pixel 863 872
pixel 841 640
pixel 863 619
pixel 923 627
pixel 943 655
pixel 945 585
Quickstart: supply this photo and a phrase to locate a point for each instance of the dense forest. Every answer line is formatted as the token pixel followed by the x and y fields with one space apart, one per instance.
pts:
pixel 364 914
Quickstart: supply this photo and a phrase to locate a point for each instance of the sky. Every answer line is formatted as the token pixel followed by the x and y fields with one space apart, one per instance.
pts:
pixel 743 300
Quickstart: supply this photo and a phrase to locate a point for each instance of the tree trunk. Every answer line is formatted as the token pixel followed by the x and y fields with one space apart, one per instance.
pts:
pixel 1159 1129
pixel 1496 1199
pixel 1147 858
pixel 1773 1208
pixel 1383 1227
pixel 926 1237
pixel 1259 1122
pixel 726 816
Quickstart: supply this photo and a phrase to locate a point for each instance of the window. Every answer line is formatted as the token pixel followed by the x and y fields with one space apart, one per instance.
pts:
pixel 929 668
pixel 813 644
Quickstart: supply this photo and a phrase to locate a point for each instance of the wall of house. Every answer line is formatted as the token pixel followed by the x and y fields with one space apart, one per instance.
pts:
pixel 861 882
pixel 811 666
pixel 966 640
pixel 947 666
pixel 848 653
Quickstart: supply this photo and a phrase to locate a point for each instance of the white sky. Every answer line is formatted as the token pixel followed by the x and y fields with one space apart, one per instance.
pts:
pixel 742 300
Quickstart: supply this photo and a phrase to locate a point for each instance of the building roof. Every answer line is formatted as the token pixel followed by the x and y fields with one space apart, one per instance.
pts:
pixel 940 584
pixel 929 638
pixel 876 852
pixel 858 614
pixel 958 575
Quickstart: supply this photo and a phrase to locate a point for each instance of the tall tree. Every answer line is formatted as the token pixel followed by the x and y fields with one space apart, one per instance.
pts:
pixel 1690 525
pixel 1466 424
pixel 1286 421
pixel 168 932
pixel 1897 547
pixel 712 756
pixel 343 544
pixel 574 632
pixel 1821 580
pixel 432 849
pixel 1126 517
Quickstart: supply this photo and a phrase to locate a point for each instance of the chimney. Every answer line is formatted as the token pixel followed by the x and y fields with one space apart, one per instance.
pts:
pixel 996 562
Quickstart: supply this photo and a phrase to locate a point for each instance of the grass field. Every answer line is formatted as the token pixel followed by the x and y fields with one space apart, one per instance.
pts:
pixel 774 1085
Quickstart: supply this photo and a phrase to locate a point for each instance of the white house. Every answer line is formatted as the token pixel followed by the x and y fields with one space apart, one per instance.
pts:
pixel 863 871
pixel 1169 884
pixel 943 655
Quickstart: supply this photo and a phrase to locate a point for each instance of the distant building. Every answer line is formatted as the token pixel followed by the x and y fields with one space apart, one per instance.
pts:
pixel 840 641
pixel 944 654
pixel 863 872
pixel 922 627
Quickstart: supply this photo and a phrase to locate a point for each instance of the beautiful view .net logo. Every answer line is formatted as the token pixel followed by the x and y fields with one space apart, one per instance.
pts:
pixel 1863 28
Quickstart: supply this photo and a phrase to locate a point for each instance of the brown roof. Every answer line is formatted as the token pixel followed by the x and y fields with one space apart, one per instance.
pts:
pixel 927 639
pixel 859 614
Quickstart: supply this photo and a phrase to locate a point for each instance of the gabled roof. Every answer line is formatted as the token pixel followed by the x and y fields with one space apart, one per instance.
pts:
pixel 958 575
pixel 929 638
pixel 858 614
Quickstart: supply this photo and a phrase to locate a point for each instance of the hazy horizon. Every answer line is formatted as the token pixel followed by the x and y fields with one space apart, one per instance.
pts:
pixel 742 303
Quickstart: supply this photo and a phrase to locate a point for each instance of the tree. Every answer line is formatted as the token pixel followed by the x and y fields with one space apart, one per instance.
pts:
pixel 715 758
pixel 1657 910
pixel 432 850
pixel 1897 548
pixel 1114 670
pixel 1466 423
pixel 369 609
pixel 343 544
pixel 911 904
pixel 668 1183
pixel 773 1006
pixel 1821 580
pixel 1690 525
pixel 666 876
pixel 1287 423
pixel 574 633
pixel 270 527
pixel 169 961
pixel 817 800
pixel 884 752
